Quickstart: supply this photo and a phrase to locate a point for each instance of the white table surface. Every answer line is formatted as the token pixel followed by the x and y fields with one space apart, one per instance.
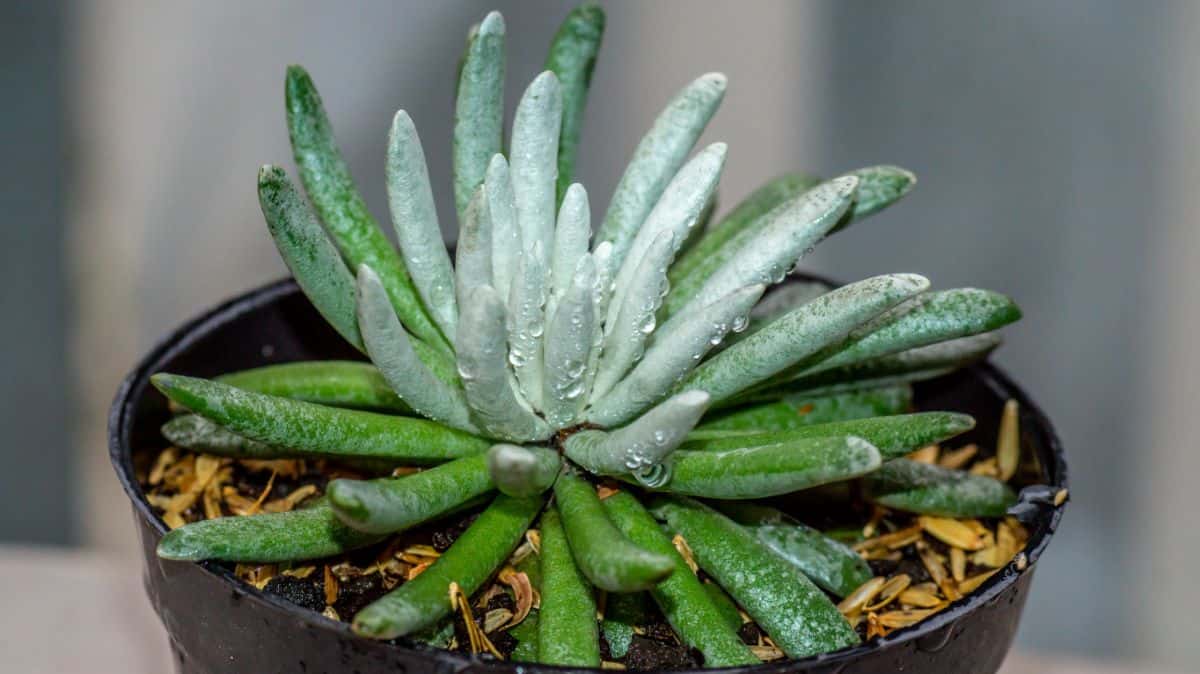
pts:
pixel 97 619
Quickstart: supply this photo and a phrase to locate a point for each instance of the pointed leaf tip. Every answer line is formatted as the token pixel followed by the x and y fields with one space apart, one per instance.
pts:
pixel 492 24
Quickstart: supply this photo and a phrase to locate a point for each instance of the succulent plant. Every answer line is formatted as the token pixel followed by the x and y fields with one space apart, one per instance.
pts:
pixel 540 362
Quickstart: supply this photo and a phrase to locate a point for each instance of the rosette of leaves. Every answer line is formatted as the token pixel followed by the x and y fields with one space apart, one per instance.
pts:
pixel 541 360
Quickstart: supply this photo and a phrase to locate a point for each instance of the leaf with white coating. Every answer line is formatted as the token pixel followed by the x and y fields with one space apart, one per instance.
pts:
pixel 571 237
pixel 506 231
pixel 793 231
pixel 473 254
pixel 391 350
pixel 632 322
pixel 533 159
pixel 672 355
pixel 739 225
pixel 479 109
pixel 568 343
pixel 494 404
pixel 878 188
pixel 677 211
pixel 657 159
pixel 954 353
pixel 934 317
pixel 643 444
pixel 770 470
pixel 526 323
pixel 523 471
pixel 312 258
pixel 414 215
pixel 789 339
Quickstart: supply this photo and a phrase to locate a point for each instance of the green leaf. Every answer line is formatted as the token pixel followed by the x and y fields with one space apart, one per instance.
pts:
pixel 523 471
pixel 894 436
pixel 533 159
pixel 527 322
pixel 474 251
pixel 572 57
pixel 677 212
pixel 308 252
pixel 931 318
pixel 329 185
pixel 657 159
pixel 568 344
pixel 339 383
pixel 479 109
pixel 315 430
pixel 739 225
pixel 506 231
pixel 392 352
pixel 933 490
pixel 792 231
pixel 798 410
pixel 643 444
pixel 571 236
pixel 673 354
pixel 789 339
pixel 414 215
pixel 632 322
pixel 483 367
pixel 769 470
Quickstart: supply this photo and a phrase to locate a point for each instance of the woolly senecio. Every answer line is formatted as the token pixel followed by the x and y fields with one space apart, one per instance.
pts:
pixel 538 363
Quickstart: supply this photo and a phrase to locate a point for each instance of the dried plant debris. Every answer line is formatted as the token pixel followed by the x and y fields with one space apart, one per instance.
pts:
pixel 921 563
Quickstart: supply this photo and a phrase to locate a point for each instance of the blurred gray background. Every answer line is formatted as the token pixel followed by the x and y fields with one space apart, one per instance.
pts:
pixel 1055 143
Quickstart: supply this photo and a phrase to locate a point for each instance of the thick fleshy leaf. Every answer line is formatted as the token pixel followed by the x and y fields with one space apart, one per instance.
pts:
pixel 878 188
pixel 414 215
pixel 769 470
pixel 568 343
pixel 832 565
pixel 389 505
pixel 572 57
pixel 339 383
pixel 894 436
pixel 316 430
pixel 309 254
pixel 533 159
pixel 798 617
pixel 796 410
pixel 527 323
pixel 495 406
pixel 639 447
pixel 825 321
pixel 479 109
pixel 311 532
pixel 392 352
pixel 571 236
pixel 329 185
pixel 740 224
pixel 657 159
pixel 677 212
pixel 672 355
pixel 506 231
pixel 933 490
pixel 523 471
pixel 939 356
pixel 473 254
pixel 792 231
pixel 631 324
pixel 931 318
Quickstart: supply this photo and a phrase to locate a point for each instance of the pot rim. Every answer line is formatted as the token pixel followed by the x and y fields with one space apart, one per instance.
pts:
pixel 123 408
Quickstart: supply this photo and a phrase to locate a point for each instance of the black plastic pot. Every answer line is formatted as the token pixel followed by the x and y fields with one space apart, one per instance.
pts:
pixel 218 624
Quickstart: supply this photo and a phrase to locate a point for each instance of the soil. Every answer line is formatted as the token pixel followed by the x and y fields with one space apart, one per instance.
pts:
pixel 361 578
